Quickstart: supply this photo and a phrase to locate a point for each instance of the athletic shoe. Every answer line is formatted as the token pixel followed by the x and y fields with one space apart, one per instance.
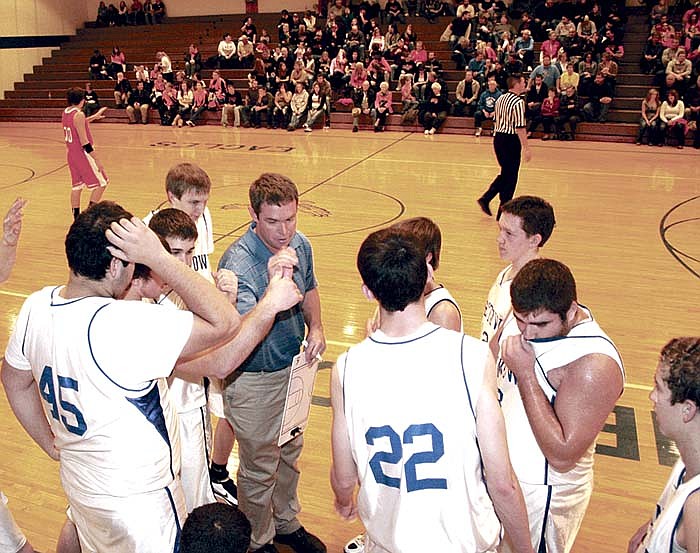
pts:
pixel 301 541
pixel 226 490
pixel 307 128
pixel 355 129
pixel 426 132
pixel 190 124
pixel 477 132
pixel 484 205
pixel 432 131
pixel 355 545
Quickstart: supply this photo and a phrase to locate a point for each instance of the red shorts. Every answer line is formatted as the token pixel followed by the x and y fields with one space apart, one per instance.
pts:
pixel 85 172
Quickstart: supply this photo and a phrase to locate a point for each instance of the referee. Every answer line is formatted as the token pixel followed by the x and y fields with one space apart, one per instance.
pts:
pixel 509 140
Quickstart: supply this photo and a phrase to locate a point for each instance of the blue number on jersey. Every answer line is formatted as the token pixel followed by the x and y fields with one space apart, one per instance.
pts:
pixel 47 390
pixel 394 456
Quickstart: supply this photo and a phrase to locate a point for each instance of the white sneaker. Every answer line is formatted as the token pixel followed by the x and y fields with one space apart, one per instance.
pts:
pixel 432 131
pixel 477 132
pixel 426 132
pixel 307 128
pixel 355 545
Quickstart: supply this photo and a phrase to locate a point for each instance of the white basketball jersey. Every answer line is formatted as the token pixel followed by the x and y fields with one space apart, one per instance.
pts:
pixel 661 536
pixel 203 247
pixel 438 295
pixel 497 305
pixel 100 365
pixel 409 404
pixel 186 395
pixel 528 461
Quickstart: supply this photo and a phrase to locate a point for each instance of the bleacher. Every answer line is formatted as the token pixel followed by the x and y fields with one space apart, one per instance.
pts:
pixel 41 96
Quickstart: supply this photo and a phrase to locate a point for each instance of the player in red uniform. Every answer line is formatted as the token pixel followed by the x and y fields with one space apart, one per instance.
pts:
pixel 85 169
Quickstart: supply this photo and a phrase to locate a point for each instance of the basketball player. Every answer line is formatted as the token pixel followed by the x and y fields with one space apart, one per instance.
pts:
pixel 187 187
pixel 178 230
pixel 525 225
pixel 85 169
pixel 449 423
pixel 12 539
pixel 559 376
pixel 675 525
pixel 85 375
pixel 440 307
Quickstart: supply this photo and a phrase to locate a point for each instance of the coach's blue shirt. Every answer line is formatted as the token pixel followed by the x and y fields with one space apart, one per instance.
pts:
pixel 248 257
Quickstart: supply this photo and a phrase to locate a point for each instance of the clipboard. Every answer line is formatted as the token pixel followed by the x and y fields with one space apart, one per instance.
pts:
pixel 297 404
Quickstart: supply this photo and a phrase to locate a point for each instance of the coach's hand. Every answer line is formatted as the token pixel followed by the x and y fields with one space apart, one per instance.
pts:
pixel 347 511
pixel 282 263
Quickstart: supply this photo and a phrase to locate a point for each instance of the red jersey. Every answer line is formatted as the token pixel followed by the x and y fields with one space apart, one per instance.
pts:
pixel 83 168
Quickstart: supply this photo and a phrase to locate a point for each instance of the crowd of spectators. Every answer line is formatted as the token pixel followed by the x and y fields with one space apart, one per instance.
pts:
pixel 671 55
pixel 368 60
pixel 148 12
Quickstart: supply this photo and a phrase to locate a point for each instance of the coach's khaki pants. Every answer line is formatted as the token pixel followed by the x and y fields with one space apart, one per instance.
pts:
pixel 267 474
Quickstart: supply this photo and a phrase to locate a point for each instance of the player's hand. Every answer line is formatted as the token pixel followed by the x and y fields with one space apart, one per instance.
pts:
pixel 133 241
pixel 315 343
pixel 12 224
pixel 282 263
pixel 347 511
pixel 527 153
pixel 282 293
pixel 227 282
pixel 519 356
pixel 637 538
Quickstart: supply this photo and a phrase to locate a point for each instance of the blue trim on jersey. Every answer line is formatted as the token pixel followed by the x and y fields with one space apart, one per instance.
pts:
pixel 160 300
pixel 544 375
pixel 67 302
pixel 546 461
pixel 405 342
pixel 176 549
pixel 149 406
pixel 150 382
pixel 439 302
pixel 542 548
pixel 345 372
pixel 206 444
pixel 464 376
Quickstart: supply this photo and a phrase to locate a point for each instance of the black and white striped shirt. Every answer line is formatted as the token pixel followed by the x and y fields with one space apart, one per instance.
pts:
pixel 509 113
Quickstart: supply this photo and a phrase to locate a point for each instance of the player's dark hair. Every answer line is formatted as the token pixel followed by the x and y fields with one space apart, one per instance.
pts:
pixel 682 357
pixel 215 528
pixel 75 95
pixel 273 189
pixel 173 223
pixel 543 284
pixel 86 242
pixel 392 265
pixel 536 214
pixel 427 234
pixel 184 177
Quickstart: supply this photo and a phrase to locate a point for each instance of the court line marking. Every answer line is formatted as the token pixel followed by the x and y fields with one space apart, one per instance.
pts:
pixel 326 180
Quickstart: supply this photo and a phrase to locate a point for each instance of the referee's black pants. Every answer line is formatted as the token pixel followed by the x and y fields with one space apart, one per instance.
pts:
pixel 507 148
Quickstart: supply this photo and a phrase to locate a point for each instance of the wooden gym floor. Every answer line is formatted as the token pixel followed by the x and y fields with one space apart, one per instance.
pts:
pixel 628 225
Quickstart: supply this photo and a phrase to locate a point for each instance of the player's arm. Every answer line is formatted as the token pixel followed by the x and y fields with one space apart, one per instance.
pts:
pixel 689 529
pixel 585 398
pixel 23 395
pixel 311 307
pixel 215 321
pixel 446 315
pixel 281 294
pixel 80 123
pixel 12 225
pixel 343 469
pixel 502 483
pixel 637 537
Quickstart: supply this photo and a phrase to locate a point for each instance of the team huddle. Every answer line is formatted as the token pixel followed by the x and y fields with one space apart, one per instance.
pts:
pixel 481 445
